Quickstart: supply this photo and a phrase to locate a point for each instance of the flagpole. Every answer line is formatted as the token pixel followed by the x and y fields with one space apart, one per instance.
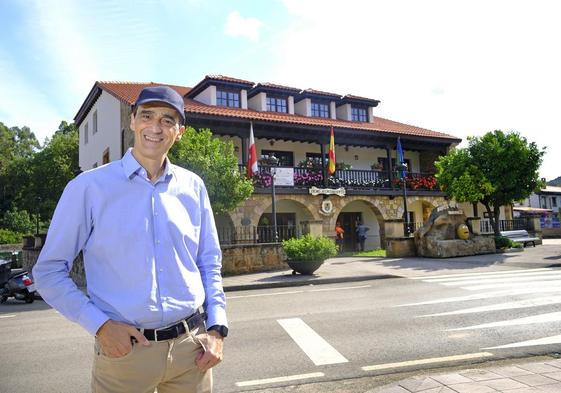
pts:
pixel 403 168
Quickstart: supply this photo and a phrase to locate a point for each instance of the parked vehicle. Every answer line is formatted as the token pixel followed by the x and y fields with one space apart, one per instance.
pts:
pixel 15 284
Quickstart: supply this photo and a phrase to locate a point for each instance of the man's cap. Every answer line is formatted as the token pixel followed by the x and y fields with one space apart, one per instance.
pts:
pixel 163 94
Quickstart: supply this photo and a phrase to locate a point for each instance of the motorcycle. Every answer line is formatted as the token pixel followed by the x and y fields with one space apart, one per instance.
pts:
pixel 17 285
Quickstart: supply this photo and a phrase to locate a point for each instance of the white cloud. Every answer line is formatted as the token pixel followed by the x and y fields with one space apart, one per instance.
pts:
pixel 238 26
pixel 458 68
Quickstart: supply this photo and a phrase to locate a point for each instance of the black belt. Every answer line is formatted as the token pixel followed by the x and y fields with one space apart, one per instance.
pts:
pixel 174 331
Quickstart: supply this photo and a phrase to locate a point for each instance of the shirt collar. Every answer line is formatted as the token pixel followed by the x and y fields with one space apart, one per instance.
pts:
pixel 131 166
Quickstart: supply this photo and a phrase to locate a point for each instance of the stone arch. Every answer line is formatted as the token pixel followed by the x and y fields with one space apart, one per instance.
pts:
pixel 371 215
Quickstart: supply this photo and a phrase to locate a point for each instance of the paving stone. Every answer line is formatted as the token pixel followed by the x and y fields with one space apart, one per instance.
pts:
pixel 556 375
pixel 555 388
pixel 539 368
pixel 554 363
pixel 535 380
pixel 450 379
pixel 503 384
pixel 480 375
pixel 510 371
pixel 419 384
pixel 442 389
pixel 472 387
pixel 524 390
pixel 389 389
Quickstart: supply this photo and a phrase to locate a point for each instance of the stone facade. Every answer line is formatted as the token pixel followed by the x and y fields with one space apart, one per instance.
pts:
pixel 252 258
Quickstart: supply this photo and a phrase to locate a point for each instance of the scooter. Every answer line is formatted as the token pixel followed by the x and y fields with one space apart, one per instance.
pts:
pixel 18 285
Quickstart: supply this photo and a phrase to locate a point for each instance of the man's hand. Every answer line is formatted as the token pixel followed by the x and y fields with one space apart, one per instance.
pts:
pixel 115 338
pixel 212 344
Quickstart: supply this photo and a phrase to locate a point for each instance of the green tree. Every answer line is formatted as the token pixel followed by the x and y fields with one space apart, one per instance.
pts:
pixel 215 162
pixel 496 169
pixel 49 171
pixel 17 147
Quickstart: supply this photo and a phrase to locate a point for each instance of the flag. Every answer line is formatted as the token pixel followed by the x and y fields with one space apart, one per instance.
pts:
pixel 400 156
pixel 331 165
pixel 252 154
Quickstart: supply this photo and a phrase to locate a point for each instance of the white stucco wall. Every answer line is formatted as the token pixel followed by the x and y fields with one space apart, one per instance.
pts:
pixel 303 107
pixel 108 133
pixel 243 99
pixel 291 105
pixel 258 102
pixel 371 114
pixel 344 112
pixel 207 96
pixel 333 110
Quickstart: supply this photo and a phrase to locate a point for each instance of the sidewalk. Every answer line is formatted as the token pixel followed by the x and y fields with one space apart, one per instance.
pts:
pixel 349 269
pixel 543 375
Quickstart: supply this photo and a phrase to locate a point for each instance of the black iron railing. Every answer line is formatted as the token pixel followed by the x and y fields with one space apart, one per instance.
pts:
pixel 506 225
pixel 252 234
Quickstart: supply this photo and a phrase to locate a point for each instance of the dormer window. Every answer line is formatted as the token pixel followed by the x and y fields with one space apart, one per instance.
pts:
pixel 320 109
pixel 228 98
pixel 359 114
pixel 277 104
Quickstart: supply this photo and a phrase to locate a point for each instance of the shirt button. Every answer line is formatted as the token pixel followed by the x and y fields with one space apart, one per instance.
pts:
pixel 157 242
pixel 161 270
pixel 155 213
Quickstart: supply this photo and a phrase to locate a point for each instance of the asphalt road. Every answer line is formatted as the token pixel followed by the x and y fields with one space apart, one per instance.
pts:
pixel 293 337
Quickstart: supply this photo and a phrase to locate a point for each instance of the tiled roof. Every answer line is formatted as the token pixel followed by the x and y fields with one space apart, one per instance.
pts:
pixel 228 79
pixel 128 92
pixel 275 86
pixel 321 93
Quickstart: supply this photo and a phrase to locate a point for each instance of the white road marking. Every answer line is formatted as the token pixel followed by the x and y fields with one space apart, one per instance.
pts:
pixel 486 295
pixel 279 379
pixel 517 279
pixel 543 301
pixel 530 343
pixel 338 289
pixel 556 283
pixel 478 274
pixel 313 345
pixel 8 316
pixel 510 273
pixel 264 294
pixel 541 318
pixel 427 361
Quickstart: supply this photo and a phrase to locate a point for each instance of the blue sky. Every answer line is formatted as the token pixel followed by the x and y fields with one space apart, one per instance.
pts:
pixel 463 68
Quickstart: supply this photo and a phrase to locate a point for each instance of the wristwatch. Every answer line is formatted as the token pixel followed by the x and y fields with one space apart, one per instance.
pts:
pixel 221 329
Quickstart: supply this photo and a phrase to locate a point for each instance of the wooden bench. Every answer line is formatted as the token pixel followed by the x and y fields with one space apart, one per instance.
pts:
pixel 520 236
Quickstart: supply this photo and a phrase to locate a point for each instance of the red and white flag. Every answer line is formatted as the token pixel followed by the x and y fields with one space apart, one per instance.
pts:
pixel 252 154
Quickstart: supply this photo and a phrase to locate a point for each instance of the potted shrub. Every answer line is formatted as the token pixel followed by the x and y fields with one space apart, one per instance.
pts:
pixel 306 254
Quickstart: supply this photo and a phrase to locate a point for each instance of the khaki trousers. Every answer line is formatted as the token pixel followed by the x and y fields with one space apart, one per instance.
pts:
pixel 168 366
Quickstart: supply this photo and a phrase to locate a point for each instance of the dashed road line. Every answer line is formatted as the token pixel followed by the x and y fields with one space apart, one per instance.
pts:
pixel 480 273
pixel 8 316
pixel 288 378
pixel 427 361
pixel 531 343
pixel 541 318
pixel 314 346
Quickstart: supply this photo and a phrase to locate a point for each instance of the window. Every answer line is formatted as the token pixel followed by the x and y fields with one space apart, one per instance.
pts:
pixel 358 114
pixel 105 159
pixel 554 201
pixel 229 98
pixel 286 158
pixel 94 130
pixel 320 109
pixel 86 134
pixel 316 158
pixel 276 104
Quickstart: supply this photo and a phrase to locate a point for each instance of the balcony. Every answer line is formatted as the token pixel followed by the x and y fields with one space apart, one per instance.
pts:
pixel 350 179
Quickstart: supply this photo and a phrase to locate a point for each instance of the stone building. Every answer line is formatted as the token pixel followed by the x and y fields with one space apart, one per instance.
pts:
pixel 293 124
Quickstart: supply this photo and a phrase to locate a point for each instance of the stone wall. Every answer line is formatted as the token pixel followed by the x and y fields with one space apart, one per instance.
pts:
pixel 252 258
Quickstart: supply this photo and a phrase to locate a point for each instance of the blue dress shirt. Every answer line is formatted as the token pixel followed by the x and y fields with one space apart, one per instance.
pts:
pixel 151 251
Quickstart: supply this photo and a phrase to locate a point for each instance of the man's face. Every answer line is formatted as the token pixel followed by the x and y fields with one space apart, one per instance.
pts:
pixel 156 128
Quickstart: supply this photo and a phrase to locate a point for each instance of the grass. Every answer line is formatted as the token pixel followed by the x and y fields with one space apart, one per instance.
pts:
pixel 369 253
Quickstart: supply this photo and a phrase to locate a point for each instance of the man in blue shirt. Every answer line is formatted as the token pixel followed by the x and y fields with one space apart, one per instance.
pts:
pixel 152 261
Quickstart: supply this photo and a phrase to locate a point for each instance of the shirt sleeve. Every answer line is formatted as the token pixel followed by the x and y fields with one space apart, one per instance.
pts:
pixel 68 232
pixel 209 262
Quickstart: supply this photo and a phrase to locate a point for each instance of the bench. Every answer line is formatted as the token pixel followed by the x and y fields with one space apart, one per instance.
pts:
pixel 520 236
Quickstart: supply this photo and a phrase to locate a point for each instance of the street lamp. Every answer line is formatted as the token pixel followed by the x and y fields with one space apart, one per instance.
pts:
pixel 403 168
pixel 273 163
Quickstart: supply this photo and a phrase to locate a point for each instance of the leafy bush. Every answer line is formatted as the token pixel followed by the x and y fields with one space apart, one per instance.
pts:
pixel 309 248
pixel 17 221
pixel 10 237
pixel 503 242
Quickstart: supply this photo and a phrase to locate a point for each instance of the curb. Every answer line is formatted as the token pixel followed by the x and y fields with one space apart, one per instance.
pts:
pixel 305 282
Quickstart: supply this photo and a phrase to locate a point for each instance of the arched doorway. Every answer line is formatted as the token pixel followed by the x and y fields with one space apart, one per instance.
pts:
pixel 349 217
pixel 419 212
pixel 291 216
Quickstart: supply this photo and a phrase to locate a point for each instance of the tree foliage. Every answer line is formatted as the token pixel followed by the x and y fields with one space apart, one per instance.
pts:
pixel 215 162
pixel 496 169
